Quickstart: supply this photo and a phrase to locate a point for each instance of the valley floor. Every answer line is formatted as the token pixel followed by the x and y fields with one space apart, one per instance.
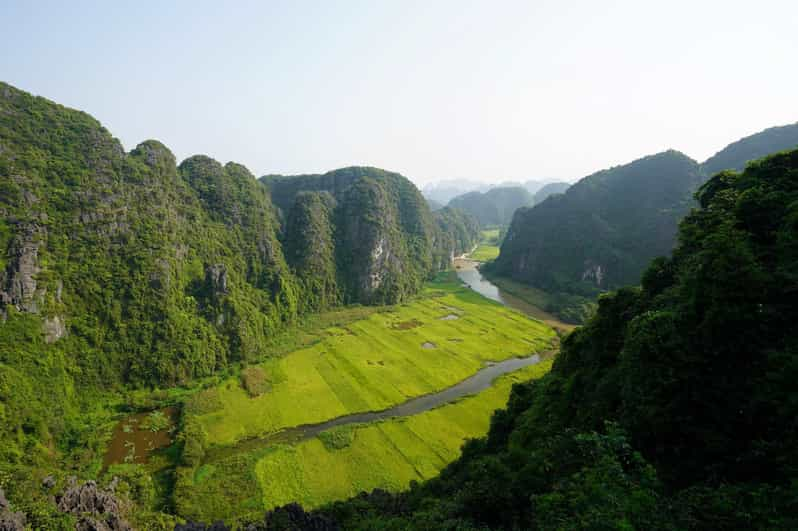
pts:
pixel 370 364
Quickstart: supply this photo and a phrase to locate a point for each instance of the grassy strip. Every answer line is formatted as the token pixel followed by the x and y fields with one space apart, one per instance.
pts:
pixel 485 253
pixel 571 309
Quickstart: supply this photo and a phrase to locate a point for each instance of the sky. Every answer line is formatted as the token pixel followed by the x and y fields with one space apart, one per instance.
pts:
pixel 434 89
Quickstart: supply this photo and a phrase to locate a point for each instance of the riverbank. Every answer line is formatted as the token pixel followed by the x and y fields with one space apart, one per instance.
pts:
pixel 468 271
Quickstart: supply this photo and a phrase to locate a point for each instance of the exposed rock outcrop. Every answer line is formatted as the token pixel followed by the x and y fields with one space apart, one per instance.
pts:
pixel 10 521
pixel 99 509
pixel 216 280
pixel 18 285
pixel 54 328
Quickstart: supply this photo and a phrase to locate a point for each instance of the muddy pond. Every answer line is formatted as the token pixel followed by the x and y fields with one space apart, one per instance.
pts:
pixel 136 437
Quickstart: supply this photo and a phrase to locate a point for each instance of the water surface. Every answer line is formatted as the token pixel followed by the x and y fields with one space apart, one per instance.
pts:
pixel 133 441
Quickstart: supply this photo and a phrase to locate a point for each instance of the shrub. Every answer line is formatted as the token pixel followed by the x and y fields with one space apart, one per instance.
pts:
pixel 337 438
pixel 255 381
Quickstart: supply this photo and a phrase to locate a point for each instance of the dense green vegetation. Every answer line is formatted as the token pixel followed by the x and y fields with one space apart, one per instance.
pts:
pixel 737 154
pixel 458 233
pixel 129 284
pixel 570 309
pixel 494 207
pixel 603 231
pixel 674 407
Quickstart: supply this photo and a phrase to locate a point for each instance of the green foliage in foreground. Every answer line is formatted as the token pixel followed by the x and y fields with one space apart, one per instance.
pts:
pixel 674 407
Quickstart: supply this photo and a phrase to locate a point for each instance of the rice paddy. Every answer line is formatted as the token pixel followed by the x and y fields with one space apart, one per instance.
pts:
pixel 377 362
pixel 370 364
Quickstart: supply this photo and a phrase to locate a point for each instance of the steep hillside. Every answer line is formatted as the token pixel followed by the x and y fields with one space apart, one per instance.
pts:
pixel 735 155
pixel 494 207
pixel 600 234
pixel 603 231
pixel 385 241
pixel 550 189
pixel 458 233
pixel 673 408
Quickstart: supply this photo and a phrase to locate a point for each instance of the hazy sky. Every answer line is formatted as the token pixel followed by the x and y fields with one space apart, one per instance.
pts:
pixel 433 89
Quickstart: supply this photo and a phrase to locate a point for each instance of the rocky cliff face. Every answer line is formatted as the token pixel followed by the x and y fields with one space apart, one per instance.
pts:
pixel 377 226
pixel 18 282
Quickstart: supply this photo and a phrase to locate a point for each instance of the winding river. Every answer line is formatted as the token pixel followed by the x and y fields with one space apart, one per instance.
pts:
pixel 472 385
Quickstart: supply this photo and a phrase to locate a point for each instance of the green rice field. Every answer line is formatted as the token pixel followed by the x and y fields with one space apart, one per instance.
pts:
pixel 484 253
pixel 378 362
pixel 386 454
pixel 333 466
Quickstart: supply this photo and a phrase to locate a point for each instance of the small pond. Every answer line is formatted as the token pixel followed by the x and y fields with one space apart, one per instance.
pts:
pixel 136 437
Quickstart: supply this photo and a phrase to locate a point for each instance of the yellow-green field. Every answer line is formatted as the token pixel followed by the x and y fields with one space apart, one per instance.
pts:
pixel 378 362
pixel 386 454
pixel 484 253
pixel 488 248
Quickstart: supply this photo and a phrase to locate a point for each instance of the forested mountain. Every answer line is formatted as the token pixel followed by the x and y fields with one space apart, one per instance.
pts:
pixel 494 207
pixel 383 238
pixel 549 189
pixel 674 407
pixel 123 269
pixel 735 155
pixel 602 232
pixel 459 233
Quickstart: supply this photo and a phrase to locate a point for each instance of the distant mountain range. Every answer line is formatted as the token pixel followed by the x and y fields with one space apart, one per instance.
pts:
pixel 444 191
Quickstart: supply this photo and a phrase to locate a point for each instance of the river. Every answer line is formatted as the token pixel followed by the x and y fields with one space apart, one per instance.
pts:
pixel 467 271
